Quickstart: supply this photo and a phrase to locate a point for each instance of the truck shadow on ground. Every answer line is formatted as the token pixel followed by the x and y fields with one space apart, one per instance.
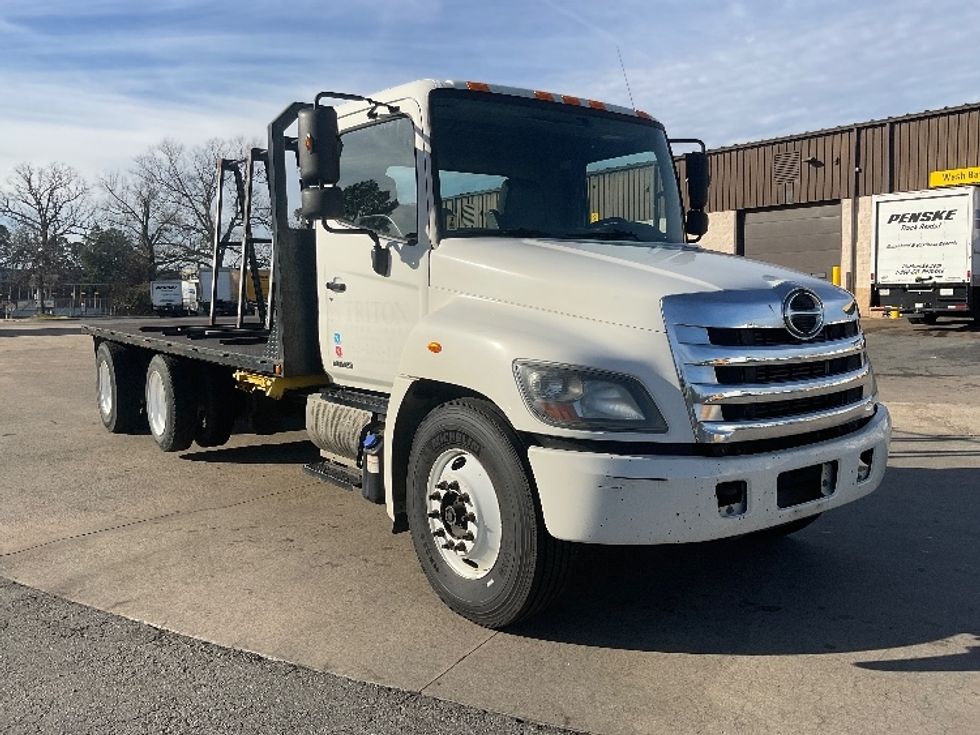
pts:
pixel 295 452
pixel 896 569
pixel 58 331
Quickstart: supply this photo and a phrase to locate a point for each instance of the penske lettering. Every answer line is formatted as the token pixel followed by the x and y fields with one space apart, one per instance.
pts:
pixel 937 216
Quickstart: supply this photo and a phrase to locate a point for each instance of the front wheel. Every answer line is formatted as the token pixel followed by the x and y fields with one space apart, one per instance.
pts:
pixel 475 524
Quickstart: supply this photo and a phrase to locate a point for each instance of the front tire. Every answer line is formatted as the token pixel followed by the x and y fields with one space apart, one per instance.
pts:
pixel 474 519
pixel 171 408
pixel 118 388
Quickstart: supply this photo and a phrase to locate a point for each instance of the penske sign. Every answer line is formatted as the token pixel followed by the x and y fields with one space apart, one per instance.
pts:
pixel 954 177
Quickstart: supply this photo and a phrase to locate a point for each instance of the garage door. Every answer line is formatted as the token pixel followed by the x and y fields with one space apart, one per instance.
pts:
pixel 806 239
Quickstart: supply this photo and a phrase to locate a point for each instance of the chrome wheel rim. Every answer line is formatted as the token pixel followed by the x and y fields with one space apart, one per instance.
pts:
pixel 156 403
pixel 104 388
pixel 463 513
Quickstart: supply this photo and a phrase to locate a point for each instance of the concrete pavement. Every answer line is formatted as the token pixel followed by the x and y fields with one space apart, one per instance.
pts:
pixel 867 620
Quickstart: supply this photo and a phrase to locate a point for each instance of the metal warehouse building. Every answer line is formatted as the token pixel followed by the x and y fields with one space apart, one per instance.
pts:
pixel 804 201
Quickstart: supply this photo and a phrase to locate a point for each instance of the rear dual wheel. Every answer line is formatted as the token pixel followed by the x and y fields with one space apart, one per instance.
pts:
pixel 474 519
pixel 118 388
pixel 171 405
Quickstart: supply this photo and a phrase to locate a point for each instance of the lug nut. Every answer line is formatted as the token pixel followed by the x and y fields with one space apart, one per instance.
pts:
pixel 439 532
pixel 465 497
pixel 468 536
pixel 442 485
pixel 471 517
pixel 449 546
pixel 452 485
pixel 434 514
pixel 460 546
pixel 435 496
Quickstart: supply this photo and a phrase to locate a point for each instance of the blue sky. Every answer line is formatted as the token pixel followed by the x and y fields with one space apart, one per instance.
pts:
pixel 94 82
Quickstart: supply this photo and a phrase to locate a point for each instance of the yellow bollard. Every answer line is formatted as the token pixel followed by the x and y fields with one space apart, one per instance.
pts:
pixel 835 275
pixel 895 314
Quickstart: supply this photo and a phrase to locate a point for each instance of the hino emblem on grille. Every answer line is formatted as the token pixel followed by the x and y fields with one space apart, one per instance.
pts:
pixel 803 313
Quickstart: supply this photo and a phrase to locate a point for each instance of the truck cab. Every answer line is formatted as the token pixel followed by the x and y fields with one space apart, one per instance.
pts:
pixel 519 350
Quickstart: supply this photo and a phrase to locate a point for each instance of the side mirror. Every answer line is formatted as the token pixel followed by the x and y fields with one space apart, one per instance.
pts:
pixel 326 202
pixel 696 223
pixel 698 178
pixel 318 145
pixel 318 152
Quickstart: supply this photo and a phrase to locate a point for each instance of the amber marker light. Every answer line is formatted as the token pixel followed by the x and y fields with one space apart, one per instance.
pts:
pixel 435 347
pixel 478 86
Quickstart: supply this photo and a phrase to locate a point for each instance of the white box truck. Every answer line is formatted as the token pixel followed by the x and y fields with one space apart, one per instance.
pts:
pixel 926 261
pixel 173 297
pixel 227 297
pixel 543 372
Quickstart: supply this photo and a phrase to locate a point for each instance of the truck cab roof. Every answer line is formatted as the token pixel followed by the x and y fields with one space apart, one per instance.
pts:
pixel 420 88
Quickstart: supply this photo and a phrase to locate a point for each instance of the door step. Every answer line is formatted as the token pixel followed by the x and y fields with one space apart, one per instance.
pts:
pixel 335 474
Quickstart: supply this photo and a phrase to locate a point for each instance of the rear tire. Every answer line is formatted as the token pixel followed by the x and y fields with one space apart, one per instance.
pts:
pixel 171 405
pixel 119 388
pixel 493 582
pixel 216 407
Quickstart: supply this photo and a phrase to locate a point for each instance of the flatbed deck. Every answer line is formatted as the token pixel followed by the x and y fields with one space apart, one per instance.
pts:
pixel 249 348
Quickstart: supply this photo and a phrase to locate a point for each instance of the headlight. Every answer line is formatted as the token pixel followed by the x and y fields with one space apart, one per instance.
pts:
pixel 582 398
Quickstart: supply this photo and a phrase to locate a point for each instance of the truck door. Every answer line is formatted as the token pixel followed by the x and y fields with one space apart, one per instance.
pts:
pixel 364 317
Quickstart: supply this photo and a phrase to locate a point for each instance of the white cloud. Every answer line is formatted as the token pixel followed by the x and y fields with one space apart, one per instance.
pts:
pixel 95 83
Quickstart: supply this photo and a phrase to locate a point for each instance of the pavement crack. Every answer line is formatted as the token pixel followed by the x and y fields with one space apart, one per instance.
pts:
pixel 458 661
pixel 151 519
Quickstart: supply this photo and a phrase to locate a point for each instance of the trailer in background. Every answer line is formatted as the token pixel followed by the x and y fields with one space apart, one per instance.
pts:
pixel 226 301
pixel 927 253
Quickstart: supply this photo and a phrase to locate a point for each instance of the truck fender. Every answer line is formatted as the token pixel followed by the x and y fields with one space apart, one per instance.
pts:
pixel 467 347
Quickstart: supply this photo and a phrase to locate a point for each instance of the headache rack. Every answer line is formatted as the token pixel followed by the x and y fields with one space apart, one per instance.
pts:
pixel 286 322
pixel 745 377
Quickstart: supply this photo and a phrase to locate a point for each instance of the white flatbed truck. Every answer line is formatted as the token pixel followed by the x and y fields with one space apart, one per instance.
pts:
pixel 508 357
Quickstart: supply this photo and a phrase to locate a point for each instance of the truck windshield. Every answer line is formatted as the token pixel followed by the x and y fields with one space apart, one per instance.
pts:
pixel 515 167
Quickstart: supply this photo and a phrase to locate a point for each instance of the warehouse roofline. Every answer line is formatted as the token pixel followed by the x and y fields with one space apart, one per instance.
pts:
pixel 968 107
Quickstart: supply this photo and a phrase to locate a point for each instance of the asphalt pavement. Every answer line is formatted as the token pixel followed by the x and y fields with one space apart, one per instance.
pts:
pixel 66 668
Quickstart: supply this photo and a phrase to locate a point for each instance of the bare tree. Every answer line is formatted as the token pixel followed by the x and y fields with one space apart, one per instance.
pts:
pixel 47 205
pixel 140 207
pixel 187 177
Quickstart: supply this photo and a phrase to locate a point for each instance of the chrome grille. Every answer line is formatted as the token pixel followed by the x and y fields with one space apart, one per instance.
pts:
pixel 745 377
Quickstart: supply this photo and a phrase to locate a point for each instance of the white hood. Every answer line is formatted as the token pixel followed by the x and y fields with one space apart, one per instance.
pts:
pixel 618 283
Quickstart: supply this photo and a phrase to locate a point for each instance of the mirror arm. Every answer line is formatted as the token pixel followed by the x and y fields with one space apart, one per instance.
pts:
pixel 353 231
pixel 380 255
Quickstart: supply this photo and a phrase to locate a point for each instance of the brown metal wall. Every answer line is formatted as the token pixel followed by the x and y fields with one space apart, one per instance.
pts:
pixel 894 155
pixel 624 192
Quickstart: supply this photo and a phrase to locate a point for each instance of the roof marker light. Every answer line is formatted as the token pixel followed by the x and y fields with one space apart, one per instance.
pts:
pixel 478 86
pixel 596 105
pixel 644 115
pixel 569 100
pixel 547 96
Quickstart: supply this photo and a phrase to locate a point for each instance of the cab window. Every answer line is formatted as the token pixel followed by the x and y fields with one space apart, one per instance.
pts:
pixel 377 175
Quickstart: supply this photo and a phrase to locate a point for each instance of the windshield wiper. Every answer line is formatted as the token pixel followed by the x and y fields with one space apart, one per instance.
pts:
pixel 605 235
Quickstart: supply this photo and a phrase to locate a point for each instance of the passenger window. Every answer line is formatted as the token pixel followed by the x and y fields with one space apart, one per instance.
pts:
pixel 377 174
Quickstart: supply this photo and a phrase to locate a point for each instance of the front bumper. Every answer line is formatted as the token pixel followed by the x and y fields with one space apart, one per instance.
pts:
pixel 621 499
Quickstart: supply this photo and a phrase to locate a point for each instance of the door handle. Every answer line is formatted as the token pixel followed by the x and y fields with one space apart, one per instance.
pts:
pixel 337 286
